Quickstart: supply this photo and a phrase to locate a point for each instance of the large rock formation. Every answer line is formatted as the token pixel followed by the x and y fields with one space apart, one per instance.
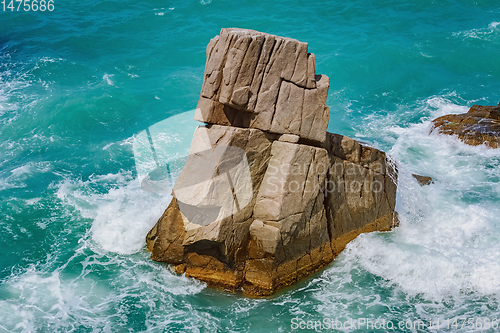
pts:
pixel 480 125
pixel 267 196
pixel 262 81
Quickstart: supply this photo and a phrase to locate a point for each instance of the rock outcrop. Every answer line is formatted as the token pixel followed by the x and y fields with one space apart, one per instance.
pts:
pixel 423 180
pixel 267 196
pixel 480 125
pixel 262 81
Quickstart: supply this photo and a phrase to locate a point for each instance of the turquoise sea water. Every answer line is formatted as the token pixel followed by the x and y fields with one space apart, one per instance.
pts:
pixel 79 83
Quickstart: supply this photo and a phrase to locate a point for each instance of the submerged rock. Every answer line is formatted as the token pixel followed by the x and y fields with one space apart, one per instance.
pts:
pixel 423 180
pixel 480 125
pixel 262 203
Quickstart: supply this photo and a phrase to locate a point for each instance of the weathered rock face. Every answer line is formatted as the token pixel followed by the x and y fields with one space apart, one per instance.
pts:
pixel 289 234
pixel 480 125
pixel 361 190
pixel 263 81
pixel 305 204
pixel 258 206
pixel 209 218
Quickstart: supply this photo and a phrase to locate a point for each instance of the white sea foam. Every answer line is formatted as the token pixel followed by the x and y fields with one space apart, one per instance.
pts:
pixel 442 261
pixel 391 124
pixel 448 244
pixel 46 60
pixel 18 176
pixel 439 106
pixel 107 146
pixel 15 82
pixel 11 87
pixel 108 79
pixel 122 212
pixel 489 33
pixel 60 294
pixel 70 296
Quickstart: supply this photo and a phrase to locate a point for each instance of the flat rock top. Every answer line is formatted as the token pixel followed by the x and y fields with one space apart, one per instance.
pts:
pixel 480 125
pixel 253 33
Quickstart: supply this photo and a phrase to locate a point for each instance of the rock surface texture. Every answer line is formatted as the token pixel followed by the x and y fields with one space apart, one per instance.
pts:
pixel 480 125
pixel 262 81
pixel 267 196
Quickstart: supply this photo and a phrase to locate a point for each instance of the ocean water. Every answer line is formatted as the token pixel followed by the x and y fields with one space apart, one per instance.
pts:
pixel 80 83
